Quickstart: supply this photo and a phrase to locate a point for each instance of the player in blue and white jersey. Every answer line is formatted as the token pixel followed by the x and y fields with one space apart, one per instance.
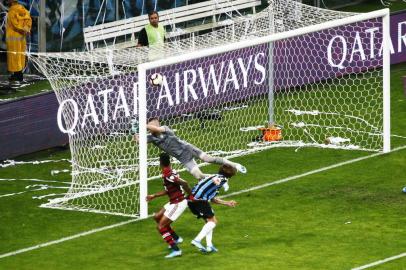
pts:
pixel 205 192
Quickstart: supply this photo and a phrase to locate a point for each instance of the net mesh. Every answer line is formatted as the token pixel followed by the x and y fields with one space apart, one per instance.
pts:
pixel 320 89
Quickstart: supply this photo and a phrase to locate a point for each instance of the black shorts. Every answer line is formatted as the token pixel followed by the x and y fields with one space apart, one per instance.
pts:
pixel 201 209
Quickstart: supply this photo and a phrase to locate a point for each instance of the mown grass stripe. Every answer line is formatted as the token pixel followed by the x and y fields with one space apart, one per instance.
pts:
pixel 13 253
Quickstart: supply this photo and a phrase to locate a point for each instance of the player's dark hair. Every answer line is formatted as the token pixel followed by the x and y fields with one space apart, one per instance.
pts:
pixel 164 160
pixel 152 119
pixel 152 13
pixel 227 170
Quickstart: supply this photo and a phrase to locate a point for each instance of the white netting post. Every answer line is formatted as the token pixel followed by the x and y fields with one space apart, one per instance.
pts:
pixel 386 81
pixel 271 119
pixel 143 158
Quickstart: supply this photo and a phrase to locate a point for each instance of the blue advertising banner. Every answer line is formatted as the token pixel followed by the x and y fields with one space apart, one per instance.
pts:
pixel 29 125
pixel 398 37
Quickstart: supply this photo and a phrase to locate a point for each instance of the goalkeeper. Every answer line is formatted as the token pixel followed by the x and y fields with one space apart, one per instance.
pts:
pixel 165 139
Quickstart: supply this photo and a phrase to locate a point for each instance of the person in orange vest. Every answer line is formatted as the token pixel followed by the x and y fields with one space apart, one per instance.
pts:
pixel 18 25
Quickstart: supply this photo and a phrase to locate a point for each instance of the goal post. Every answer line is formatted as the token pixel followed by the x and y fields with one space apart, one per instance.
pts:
pixel 143 154
pixel 386 80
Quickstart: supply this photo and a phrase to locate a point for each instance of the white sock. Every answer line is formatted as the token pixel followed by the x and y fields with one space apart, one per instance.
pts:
pixel 209 237
pixel 232 164
pixel 208 227
pixel 217 160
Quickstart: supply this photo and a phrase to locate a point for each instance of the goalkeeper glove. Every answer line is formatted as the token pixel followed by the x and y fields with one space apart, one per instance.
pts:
pixel 134 126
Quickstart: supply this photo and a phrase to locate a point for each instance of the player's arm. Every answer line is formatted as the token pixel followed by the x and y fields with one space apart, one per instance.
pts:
pixel 185 186
pixel 136 138
pixel 155 129
pixel 223 202
pixel 156 195
pixel 142 38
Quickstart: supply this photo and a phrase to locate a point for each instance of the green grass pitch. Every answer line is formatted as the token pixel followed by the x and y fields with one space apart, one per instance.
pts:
pixel 339 218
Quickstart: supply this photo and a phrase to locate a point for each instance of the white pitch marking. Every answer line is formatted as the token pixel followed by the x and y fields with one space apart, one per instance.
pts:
pixel 290 178
pixel 228 195
pixel 12 194
pixel 380 262
pixel 398 136
pixel 37 188
pixel 8 163
pixel 53 172
pixel 34 180
pixel 48 195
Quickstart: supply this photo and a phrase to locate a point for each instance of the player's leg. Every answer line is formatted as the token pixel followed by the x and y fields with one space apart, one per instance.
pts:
pixel 162 227
pixel 173 212
pixel 205 211
pixel 161 220
pixel 207 228
pixel 175 236
pixel 198 153
pixel 158 216
pixel 192 167
pixel 209 237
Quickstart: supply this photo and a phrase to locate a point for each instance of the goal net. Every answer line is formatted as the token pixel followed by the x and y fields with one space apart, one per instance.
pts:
pixel 289 76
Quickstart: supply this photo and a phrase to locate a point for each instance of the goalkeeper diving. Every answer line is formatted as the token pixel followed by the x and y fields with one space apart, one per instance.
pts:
pixel 166 140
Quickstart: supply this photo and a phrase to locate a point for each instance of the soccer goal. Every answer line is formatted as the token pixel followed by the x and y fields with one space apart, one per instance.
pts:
pixel 291 75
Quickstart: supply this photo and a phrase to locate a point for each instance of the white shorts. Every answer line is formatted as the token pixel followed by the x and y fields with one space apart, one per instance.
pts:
pixel 174 210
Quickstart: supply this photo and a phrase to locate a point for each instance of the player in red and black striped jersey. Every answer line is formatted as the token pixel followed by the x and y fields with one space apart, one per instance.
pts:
pixel 172 185
pixel 174 188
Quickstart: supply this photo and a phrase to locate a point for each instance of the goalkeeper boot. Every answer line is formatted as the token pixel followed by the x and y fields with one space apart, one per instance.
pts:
pixel 198 245
pixel 211 248
pixel 241 168
pixel 174 253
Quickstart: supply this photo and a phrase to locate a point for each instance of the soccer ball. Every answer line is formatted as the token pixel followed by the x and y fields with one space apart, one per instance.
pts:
pixel 156 79
pixel 404 190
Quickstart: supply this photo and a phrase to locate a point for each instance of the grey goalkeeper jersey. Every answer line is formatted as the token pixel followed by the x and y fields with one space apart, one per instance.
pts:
pixel 172 145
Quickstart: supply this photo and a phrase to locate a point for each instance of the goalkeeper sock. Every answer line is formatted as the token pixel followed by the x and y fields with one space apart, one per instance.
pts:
pixel 217 160
pixel 197 173
pixel 208 227
pixel 228 162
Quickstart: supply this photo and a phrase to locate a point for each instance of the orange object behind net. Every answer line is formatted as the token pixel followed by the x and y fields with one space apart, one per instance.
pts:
pixel 272 133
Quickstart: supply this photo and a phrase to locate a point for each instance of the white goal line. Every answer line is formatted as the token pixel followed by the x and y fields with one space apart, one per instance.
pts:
pixel 13 253
pixel 380 262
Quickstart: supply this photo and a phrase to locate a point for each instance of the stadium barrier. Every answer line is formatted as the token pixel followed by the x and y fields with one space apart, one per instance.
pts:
pixel 109 34
pixel 398 37
pixel 28 125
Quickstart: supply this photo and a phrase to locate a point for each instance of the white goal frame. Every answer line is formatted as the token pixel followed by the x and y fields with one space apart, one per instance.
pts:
pixel 142 71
